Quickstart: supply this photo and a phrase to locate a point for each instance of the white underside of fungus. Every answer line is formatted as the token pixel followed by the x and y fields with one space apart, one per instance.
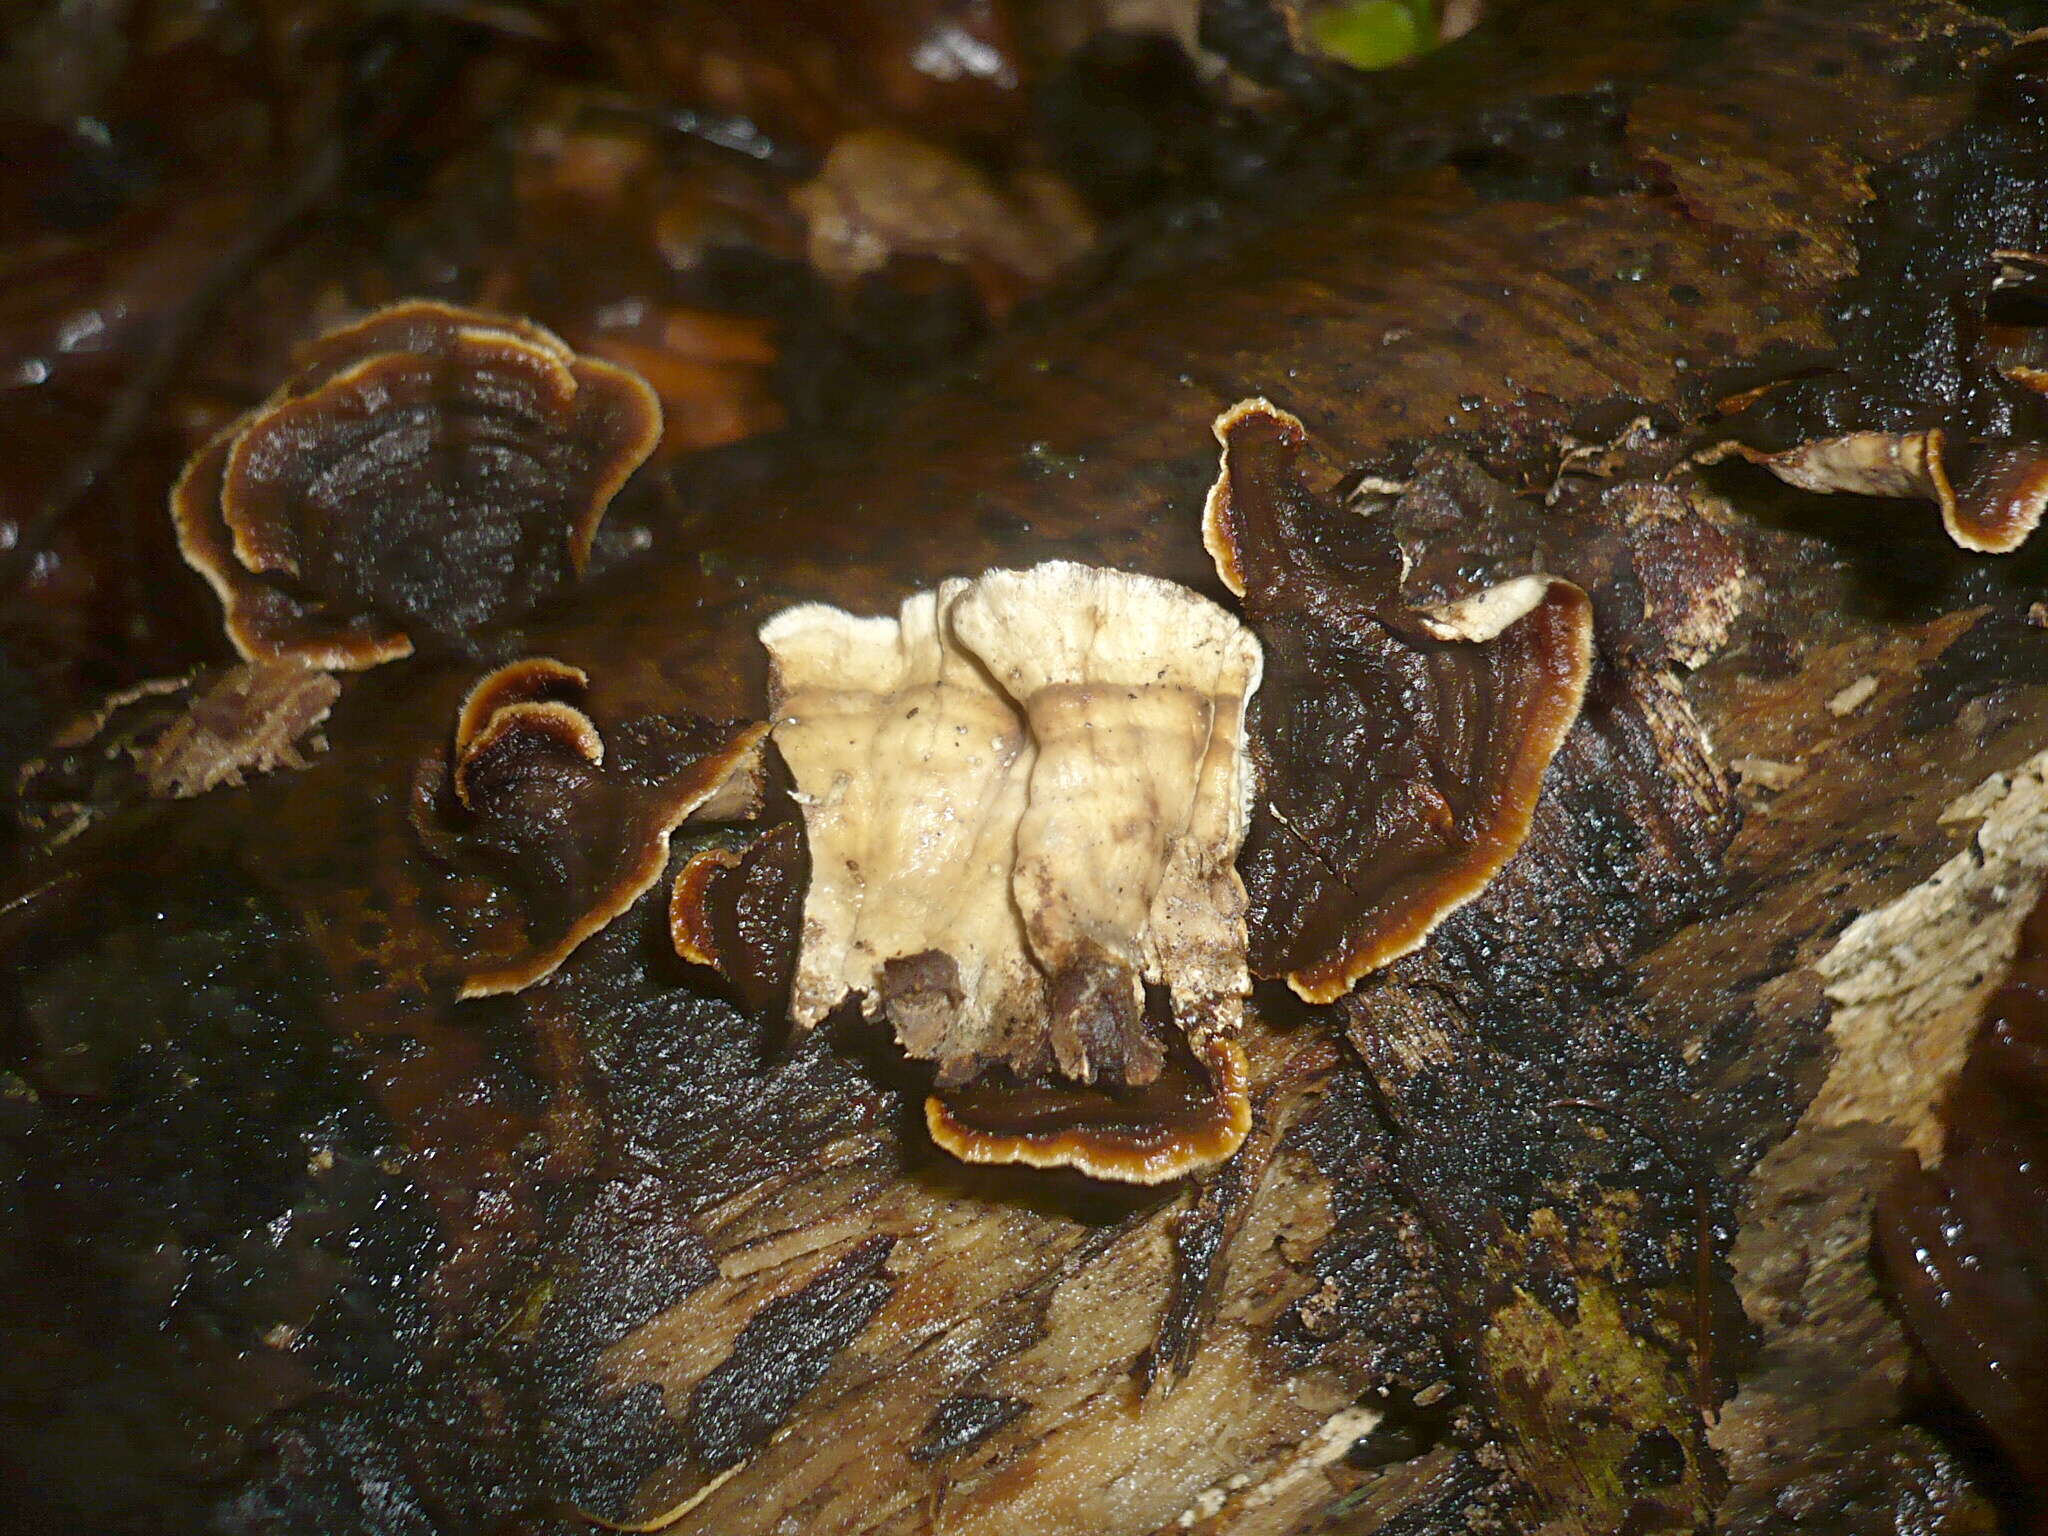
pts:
pixel 1024 796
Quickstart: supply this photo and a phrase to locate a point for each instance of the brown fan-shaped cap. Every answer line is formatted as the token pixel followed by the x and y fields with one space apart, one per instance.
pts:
pixel 736 908
pixel 1939 388
pixel 1992 494
pixel 532 798
pixel 1401 751
pixel 1194 1114
pixel 692 916
pixel 532 680
pixel 1996 497
pixel 428 470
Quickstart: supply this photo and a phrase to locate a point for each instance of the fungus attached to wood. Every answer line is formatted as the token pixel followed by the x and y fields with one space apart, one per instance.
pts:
pixel 1940 387
pixel 734 909
pixel 1400 750
pixel 1992 494
pixel 911 770
pixel 1024 796
pixel 1134 693
pixel 574 821
pixel 1192 1115
pixel 429 470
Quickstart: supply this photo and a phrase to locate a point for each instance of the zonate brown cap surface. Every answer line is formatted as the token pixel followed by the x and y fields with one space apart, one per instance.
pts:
pixel 1195 1113
pixel 429 471
pixel 1398 770
pixel 533 798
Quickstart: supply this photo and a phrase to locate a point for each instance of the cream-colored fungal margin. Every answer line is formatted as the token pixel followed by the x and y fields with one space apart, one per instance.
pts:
pixel 1024 796
pixel 1909 980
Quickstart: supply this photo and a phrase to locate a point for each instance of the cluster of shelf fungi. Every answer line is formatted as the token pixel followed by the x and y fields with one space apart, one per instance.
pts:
pixel 1390 887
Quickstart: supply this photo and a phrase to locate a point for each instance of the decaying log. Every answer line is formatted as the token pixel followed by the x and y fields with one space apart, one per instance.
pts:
pixel 1560 1222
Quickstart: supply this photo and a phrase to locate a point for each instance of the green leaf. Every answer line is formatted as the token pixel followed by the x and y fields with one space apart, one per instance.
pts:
pixel 1369 34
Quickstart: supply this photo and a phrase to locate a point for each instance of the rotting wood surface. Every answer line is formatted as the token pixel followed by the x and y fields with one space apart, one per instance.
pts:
pixel 441 1267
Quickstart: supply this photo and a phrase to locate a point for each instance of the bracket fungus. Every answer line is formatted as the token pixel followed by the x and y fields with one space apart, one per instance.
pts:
pixel 428 470
pixel 1024 796
pixel 1193 1115
pixel 1940 387
pixel 734 908
pixel 574 821
pixel 1400 749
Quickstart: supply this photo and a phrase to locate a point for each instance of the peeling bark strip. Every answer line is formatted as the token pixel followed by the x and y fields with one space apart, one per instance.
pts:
pixel 1910 983
pixel 1910 980
pixel 178 737
pixel 1024 798
pixel 255 719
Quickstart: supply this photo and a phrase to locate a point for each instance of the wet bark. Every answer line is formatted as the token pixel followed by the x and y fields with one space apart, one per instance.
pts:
pixel 1559 1224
